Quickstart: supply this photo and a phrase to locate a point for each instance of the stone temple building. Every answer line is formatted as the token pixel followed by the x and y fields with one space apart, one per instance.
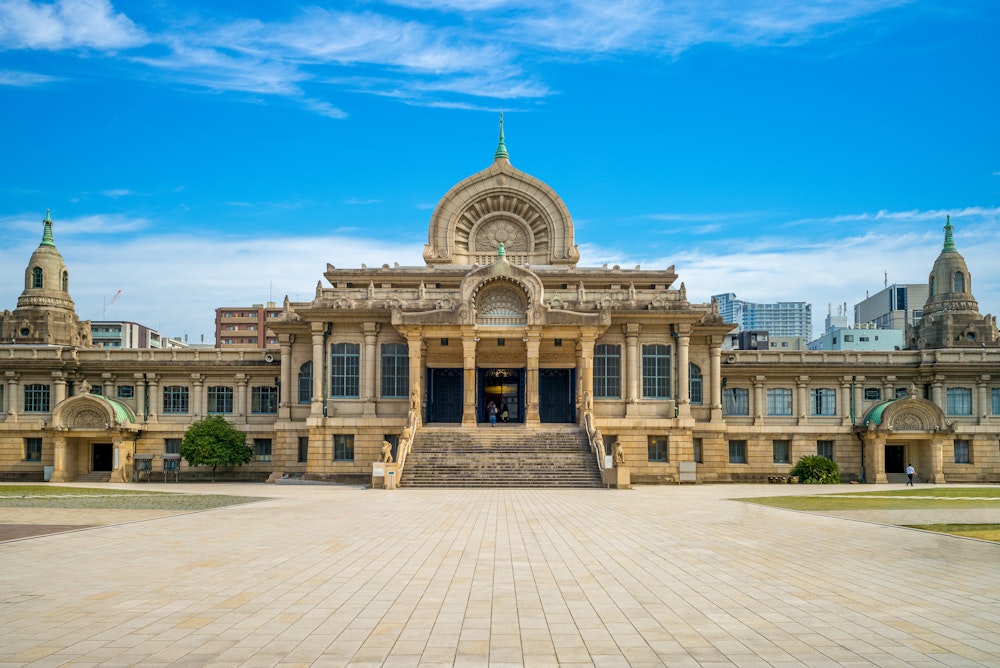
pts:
pixel 598 375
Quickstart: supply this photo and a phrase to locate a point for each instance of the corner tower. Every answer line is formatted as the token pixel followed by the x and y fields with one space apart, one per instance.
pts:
pixel 501 205
pixel 45 312
pixel 951 315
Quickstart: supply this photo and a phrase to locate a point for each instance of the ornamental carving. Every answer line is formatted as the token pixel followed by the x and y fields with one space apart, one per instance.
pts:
pixel 492 234
pixel 85 418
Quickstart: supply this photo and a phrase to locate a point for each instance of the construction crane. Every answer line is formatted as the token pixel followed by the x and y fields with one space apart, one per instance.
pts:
pixel 109 304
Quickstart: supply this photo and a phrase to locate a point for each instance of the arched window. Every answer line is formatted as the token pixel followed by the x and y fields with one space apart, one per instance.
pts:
pixel 931 286
pixel 36 277
pixel 65 281
pixel 959 282
pixel 501 303
pixel 694 383
pixel 306 382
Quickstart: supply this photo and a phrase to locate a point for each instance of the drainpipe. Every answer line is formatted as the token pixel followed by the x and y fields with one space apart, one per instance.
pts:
pixel 326 379
pixel 677 372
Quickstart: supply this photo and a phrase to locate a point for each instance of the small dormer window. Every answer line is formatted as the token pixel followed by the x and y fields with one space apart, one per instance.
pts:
pixel 65 281
pixel 959 282
pixel 36 277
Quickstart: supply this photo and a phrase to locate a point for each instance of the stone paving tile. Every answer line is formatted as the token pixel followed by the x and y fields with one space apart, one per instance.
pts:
pixel 338 576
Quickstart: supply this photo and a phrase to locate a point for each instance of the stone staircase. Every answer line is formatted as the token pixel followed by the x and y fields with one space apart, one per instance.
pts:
pixel 94 476
pixel 505 456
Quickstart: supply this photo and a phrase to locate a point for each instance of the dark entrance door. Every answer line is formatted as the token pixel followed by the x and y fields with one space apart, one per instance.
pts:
pixel 505 388
pixel 444 393
pixel 101 460
pixel 556 391
pixel 895 459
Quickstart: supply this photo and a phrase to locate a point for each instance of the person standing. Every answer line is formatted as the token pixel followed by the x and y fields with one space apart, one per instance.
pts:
pixel 491 411
pixel 910 471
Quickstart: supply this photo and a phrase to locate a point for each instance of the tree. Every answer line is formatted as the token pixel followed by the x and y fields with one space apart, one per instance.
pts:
pixel 816 469
pixel 214 442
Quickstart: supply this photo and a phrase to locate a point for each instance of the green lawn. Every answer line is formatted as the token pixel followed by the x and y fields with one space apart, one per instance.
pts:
pixel 908 499
pixel 47 496
pixel 980 531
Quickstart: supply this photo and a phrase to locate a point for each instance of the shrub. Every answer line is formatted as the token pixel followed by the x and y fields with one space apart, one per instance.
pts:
pixel 816 469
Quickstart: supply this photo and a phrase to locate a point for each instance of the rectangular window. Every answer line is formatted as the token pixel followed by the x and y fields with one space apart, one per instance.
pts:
pixel 694 384
pixel 697 450
pixel 873 394
pixel 995 401
pixel 656 371
pixel 303 449
pixel 824 401
pixel 305 382
pixel 33 449
pixel 736 401
pixel 343 447
pixel 220 399
pixel 963 453
pixel 825 449
pixel 126 391
pixel 782 452
pixel 657 446
pixel 738 452
pixel 36 398
pixel 959 401
pixel 902 393
pixel 262 449
pixel 607 371
pixel 395 371
pixel 1 398
pixel 172 446
pixel 779 401
pixel 263 399
pixel 175 399
pixel 345 366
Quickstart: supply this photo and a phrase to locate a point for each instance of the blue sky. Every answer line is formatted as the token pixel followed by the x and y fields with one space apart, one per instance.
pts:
pixel 206 154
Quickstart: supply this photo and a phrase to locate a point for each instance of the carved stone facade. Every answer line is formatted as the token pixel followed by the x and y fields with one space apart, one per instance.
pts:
pixel 502 312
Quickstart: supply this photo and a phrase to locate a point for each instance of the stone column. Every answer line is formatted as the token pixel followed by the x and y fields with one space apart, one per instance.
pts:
pixel 758 399
pixel 140 396
pixel 469 417
pixel 888 388
pixel 13 393
pixel 631 331
pixel 317 330
pixel 875 459
pixel 532 344
pixel 715 382
pixel 108 385
pixel 983 398
pixel 154 396
pixel 683 375
pixel 585 374
pixel 199 401
pixel 937 393
pixel 59 472
pixel 59 388
pixel 369 389
pixel 802 399
pixel 937 447
pixel 859 394
pixel 845 400
pixel 287 391
pixel 242 405
pixel 415 349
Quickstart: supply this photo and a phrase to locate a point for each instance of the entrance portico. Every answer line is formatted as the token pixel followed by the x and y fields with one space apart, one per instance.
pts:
pixel 901 432
pixel 93 433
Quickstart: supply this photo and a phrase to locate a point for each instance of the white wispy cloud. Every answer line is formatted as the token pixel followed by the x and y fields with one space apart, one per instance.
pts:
pixel 23 79
pixel 67 24
pixel 442 53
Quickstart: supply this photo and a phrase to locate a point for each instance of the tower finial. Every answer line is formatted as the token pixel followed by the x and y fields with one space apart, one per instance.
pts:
pixel 501 153
pixel 501 252
pixel 949 240
pixel 47 230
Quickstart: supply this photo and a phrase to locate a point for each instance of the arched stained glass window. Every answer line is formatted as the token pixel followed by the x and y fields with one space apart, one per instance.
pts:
pixel 36 277
pixel 501 304
pixel 959 282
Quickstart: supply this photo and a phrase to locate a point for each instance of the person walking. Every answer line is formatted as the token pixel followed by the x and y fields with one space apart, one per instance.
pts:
pixel 491 411
pixel 910 471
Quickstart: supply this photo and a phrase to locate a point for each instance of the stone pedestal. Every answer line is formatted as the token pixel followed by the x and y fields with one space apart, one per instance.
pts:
pixel 617 478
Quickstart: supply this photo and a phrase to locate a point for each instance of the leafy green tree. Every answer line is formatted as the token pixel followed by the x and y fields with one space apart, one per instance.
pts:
pixel 816 469
pixel 214 442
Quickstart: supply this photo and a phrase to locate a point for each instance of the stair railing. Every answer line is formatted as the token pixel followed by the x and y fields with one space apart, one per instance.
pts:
pixel 595 439
pixel 406 442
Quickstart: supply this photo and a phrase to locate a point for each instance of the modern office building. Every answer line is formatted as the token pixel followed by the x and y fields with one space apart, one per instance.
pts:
pixel 863 337
pixel 124 334
pixel 593 360
pixel 786 319
pixel 897 306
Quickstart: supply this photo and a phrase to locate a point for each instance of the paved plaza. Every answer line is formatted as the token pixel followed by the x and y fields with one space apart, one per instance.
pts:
pixel 339 575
